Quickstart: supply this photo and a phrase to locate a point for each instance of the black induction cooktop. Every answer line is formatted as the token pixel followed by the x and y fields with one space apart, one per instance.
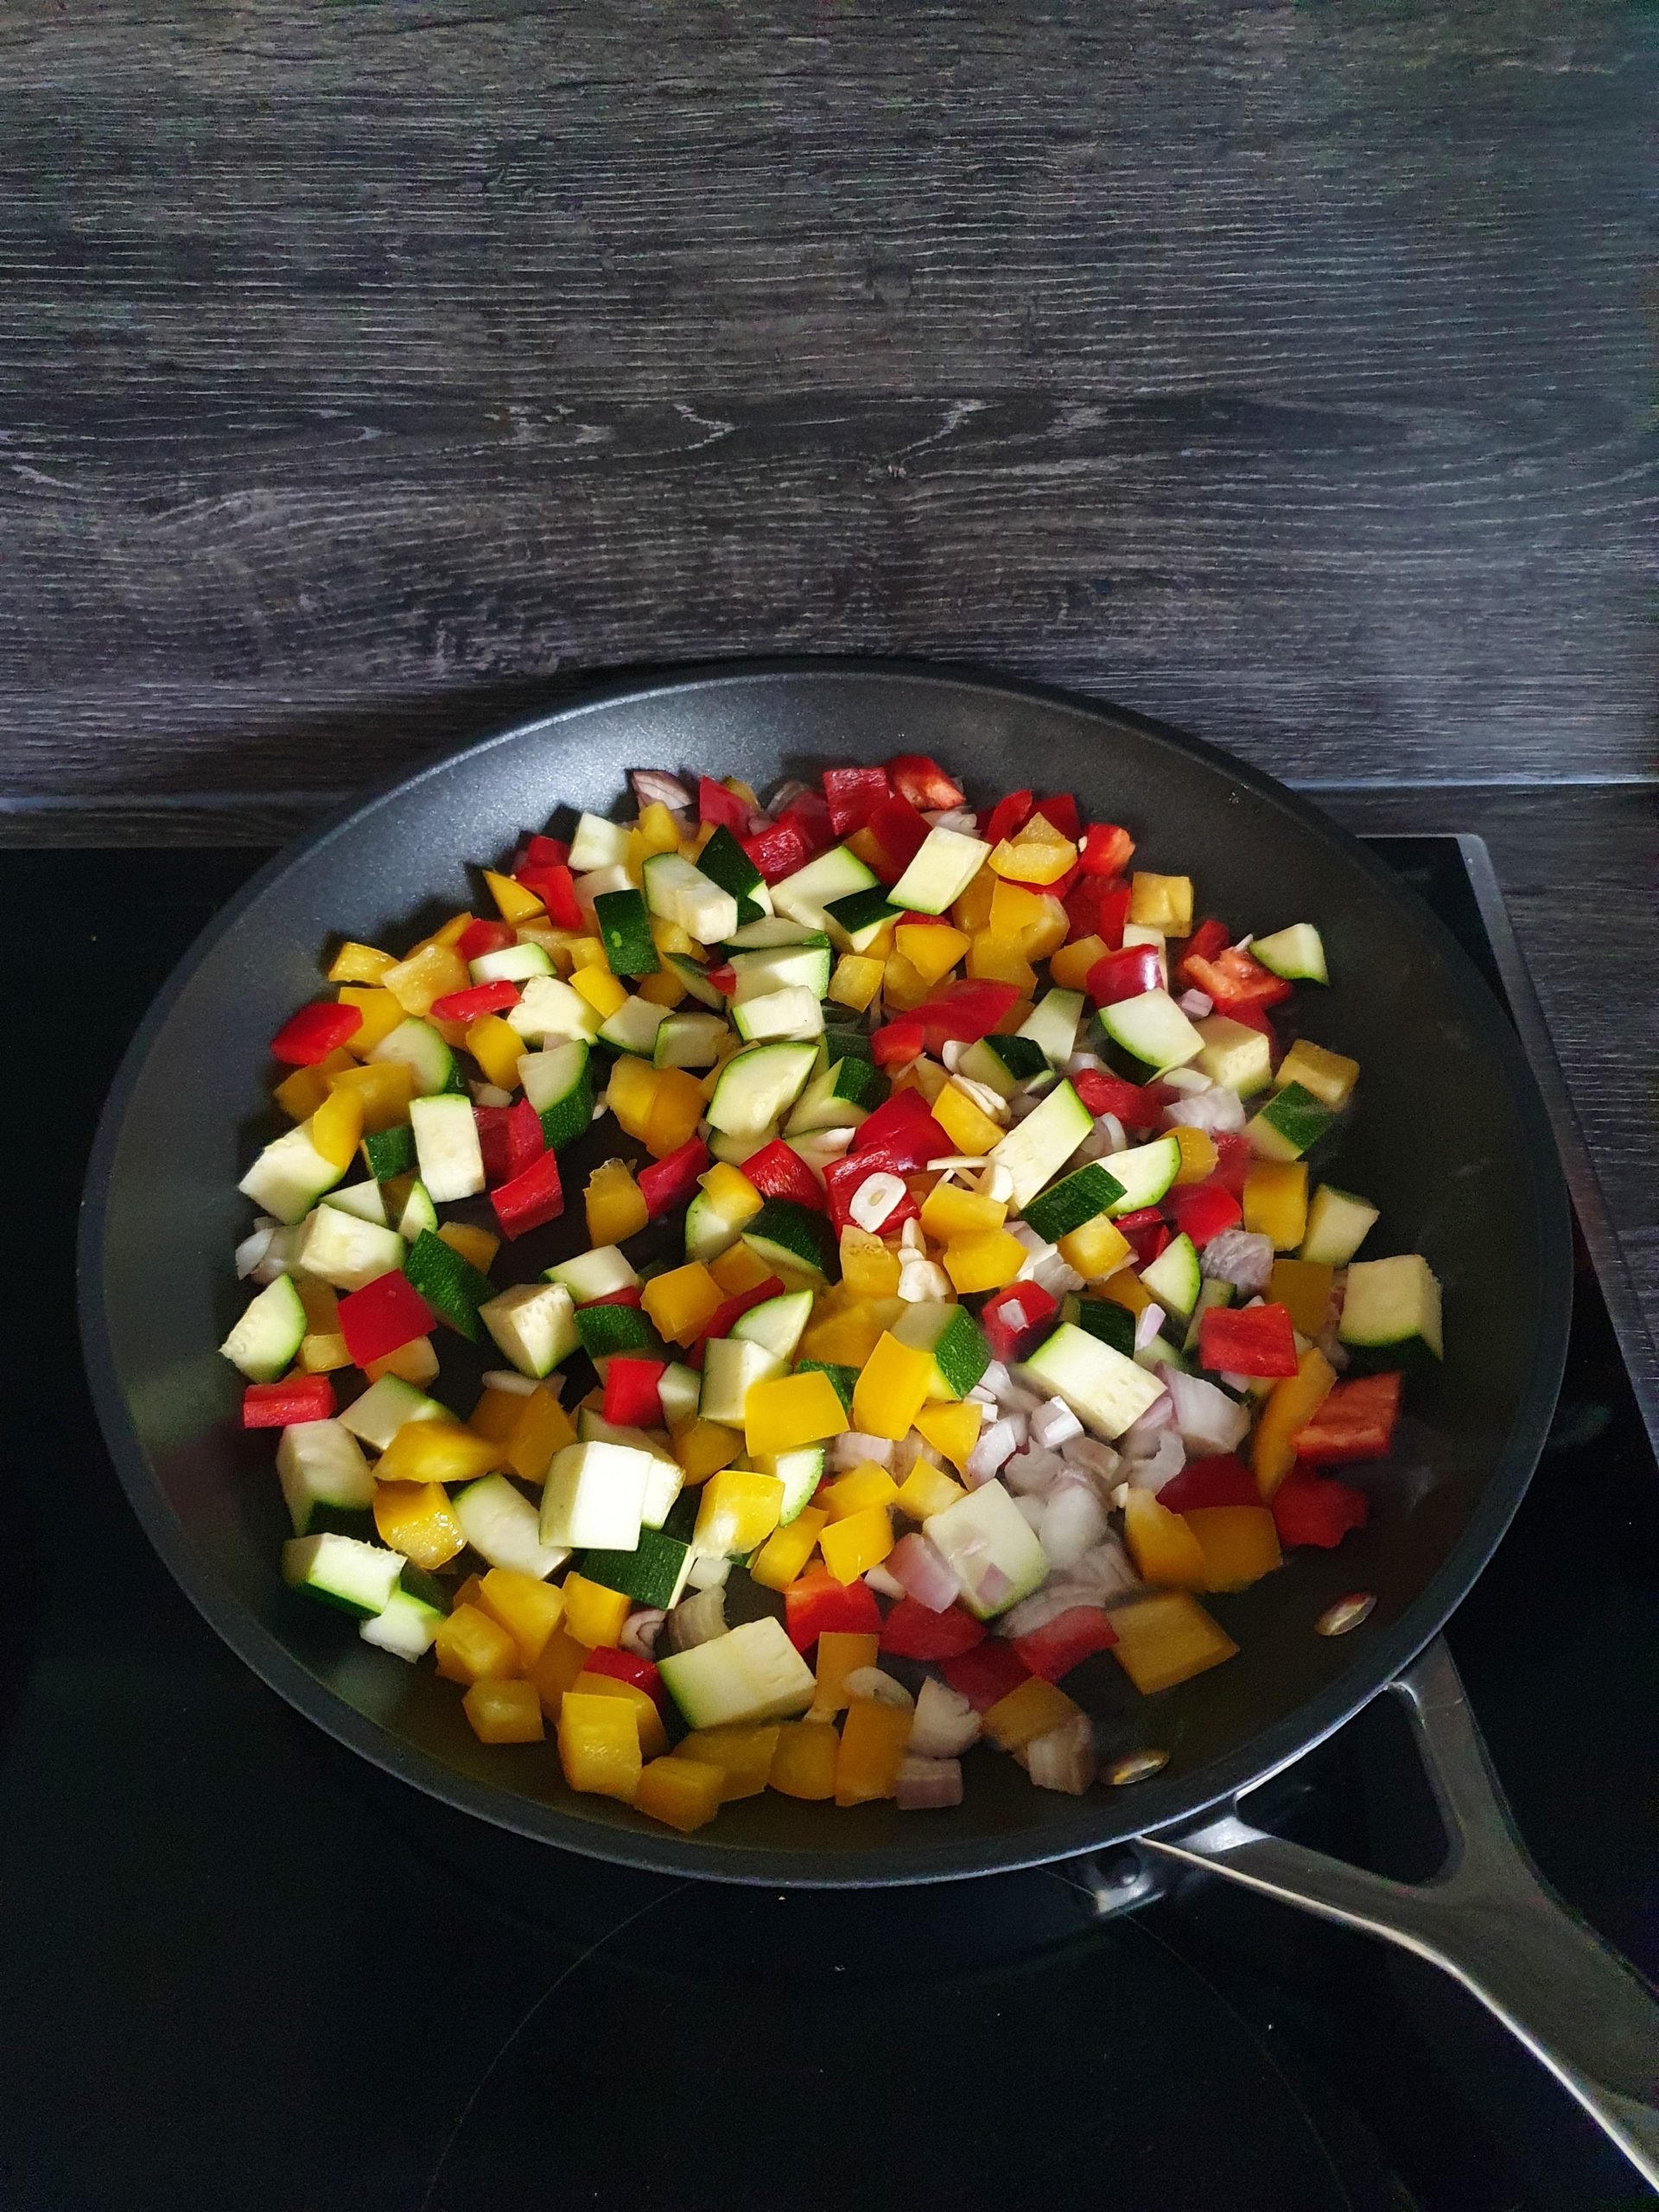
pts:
pixel 243 1970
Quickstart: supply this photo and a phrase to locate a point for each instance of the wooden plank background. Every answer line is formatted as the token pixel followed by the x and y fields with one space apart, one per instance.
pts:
pixel 368 373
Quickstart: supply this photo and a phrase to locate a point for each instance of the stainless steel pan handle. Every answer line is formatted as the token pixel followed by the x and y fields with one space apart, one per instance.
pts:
pixel 1486 1917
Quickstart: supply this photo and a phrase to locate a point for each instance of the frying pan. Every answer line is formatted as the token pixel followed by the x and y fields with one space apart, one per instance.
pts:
pixel 1447 1135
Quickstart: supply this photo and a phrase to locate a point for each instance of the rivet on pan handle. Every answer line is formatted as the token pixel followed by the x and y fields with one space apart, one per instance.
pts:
pixel 1486 1917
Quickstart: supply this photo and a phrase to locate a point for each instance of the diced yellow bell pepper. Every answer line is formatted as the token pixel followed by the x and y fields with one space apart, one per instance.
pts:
pixel 495 1414
pixel 1198 1155
pixel 561 1661
pixel 968 1127
pixel 739 1752
pixel 512 901
pixel 952 1426
pixel 1162 902
pixel 1330 1076
pixel 471 1648
pixel 804 1764
pixel 381 1014
pixel 543 1429
pixel 417 1362
pixel 863 846
pixel 1166 1639
pixel 381 1090
pixel 1033 858
pixel 862 1486
pixel 681 1793
pixel 841 1652
pixel 1303 1289
pixel 902 986
pixel 497 1048
pixel 467 1592
pixel 1275 1201
pixel 1126 1289
pixel 785 1552
pixel 436 1452
pixel 632 1089
pixel 1070 966
pixel 927 1490
pixel 614 1204
pixel 971 912
pixel 676 1109
pixel 359 963
pixel 1015 909
pixel 431 972
pixel 730 1193
pixel 863 1540
pixel 504 1712
pixel 602 990
pixel 528 1610
pixel 1095 1249
pixel 416 1519
pixel 599 1745
pixel 867 1268
pixel 950 1210
pixel 478 1247
pixel 322 1348
pixel 681 1303
pixel 587 951
pixel 870 1751
pixel 668 936
pixel 300 1094
pixel 1046 931
pixel 985 1262
pixel 658 828
pixel 739 1509
pixel 1292 1402
pixel 1239 1542
pixel 925 1076
pixel 892 1390
pixel 664 988
pixel 932 948
pixel 593 1614
pixel 844 1335
pixel 654 1736
pixel 999 960
pixel 794 1410
pixel 1027 1712
pixel 1164 1549
pixel 704 1447
pixel 855 981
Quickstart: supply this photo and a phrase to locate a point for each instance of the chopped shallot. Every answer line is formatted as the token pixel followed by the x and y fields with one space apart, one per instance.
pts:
pixel 1208 1419
pixel 1054 1423
pixel 695 1621
pixel 852 1447
pixel 254 1246
pixel 877 1685
pixel 1032 1508
pixel 1033 1474
pixel 1239 1256
pixel 996 1444
pixel 924 1785
pixel 1196 1004
pixel 922 1572
pixel 1147 1323
pixel 1073 1522
pixel 641 1630
pixel 1218 1109
pixel 1063 1758
pixel 653 787
pixel 945 1724
pixel 883 1583
pixel 1097 1460
pixel 1162 1466
pixel 1140 1440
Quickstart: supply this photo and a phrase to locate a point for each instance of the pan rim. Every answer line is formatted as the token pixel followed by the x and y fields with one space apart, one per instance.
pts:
pixel 1163 1804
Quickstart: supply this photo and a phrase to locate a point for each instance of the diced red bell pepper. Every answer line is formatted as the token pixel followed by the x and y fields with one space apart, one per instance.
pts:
pixel 1203 1211
pixel 283 1405
pixel 844 1178
pixel 385 1314
pixel 1015 1321
pixel 897 1043
pixel 479 937
pixel 546 852
pixel 899 833
pixel 1146 1233
pixel 816 1603
pixel 1063 1643
pixel 1107 850
pixel 630 1294
pixel 807 813
pixel 778 850
pixel 1011 812
pixel 510 1137
pixel 723 979
pixel 629 1666
pixel 922 782
pixel 1098 905
pixel 716 804
pixel 1233 980
pixel 987 1673
pixel 1205 942
pixel 1222 1480
pixel 1310 1509
pixel 731 1309
pixel 1250 1340
pixel 1253 1017
pixel 1355 1422
pixel 852 796
pixel 900 1134
pixel 632 1394
pixel 778 1171
pixel 1059 810
pixel 1125 975
pixel 529 1199
pixel 1137 1106
pixel 314 1031
pixel 669 1182
pixel 965 1012
pixel 472 1004
pixel 555 887
pixel 912 1631
pixel 1233 1157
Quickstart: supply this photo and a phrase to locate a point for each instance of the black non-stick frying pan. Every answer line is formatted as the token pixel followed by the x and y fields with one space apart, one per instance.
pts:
pixel 1448 1136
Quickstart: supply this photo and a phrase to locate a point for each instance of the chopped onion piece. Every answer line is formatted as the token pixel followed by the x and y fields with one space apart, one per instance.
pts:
pixel 655 787
pixel 996 1445
pixel 877 1685
pixel 489 1094
pixel 1033 1474
pixel 1073 1522
pixel 852 1447
pixel 1165 1463
pixel 925 1785
pixel 1147 1323
pixel 1216 1109
pixel 921 1570
pixel 1063 1759
pixel 881 1581
pixel 509 1379
pixel 1239 1256
pixel 1194 1005
pixel 641 1631
pixel 254 1246
pixel 1208 1419
pixel 1141 1438
pixel 945 1724
pixel 1054 1423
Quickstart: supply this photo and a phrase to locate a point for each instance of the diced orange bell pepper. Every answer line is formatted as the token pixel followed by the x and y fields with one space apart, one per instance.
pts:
pixel 794 1410
pixel 972 910
pixel 1027 1712
pixel 804 1764
pixel 1126 1289
pixel 1070 966
pixel 1166 1639
pixel 738 1269
pixel 867 1268
pixel 892 1390
pixel 738 1509
pixel 654 1736
pixel 432 971
pixel 987 1261
pixel 1198 1156
pixel 674 1112
pixel 471 1648
pixel 418 1520
pixel 467 1592
pixel 599 1745
pixel 1275 1201
pixel 862 1486
pixel 1303 1289
pixel 614 1203
pixel 664 988
pixel 498 1047
pixel 542 1428
pixel 495 1414
pixel 478 1247
pixel 861 1542
pixel 784 1555
pixel 512 902
pixel 872 1750
pixel 1239 1542
pixel 561 1659
pixel 359 963
pixel 681 1793
pixel 1095 1248
pixel 704 1447
pixel 504 1712
pixel 928 1489
pixel 841 1652
pixel 436 1452
pixel 1162 902
pixel 1164 1549
pixel 529 1611
pixel 381 1014
pixel 1290 1404
pixel 593 1614
pixel 741 1751
pixel 681 1303
pixel 1015 909
pixel 952 1426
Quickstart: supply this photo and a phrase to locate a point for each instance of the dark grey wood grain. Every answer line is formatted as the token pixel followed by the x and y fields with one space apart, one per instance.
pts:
pixel 364 371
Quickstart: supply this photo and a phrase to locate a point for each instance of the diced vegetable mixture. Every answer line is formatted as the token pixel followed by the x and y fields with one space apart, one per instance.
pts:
pixel 956 1303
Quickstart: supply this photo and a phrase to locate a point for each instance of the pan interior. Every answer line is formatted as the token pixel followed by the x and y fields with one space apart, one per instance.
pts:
pixel 1446 1136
